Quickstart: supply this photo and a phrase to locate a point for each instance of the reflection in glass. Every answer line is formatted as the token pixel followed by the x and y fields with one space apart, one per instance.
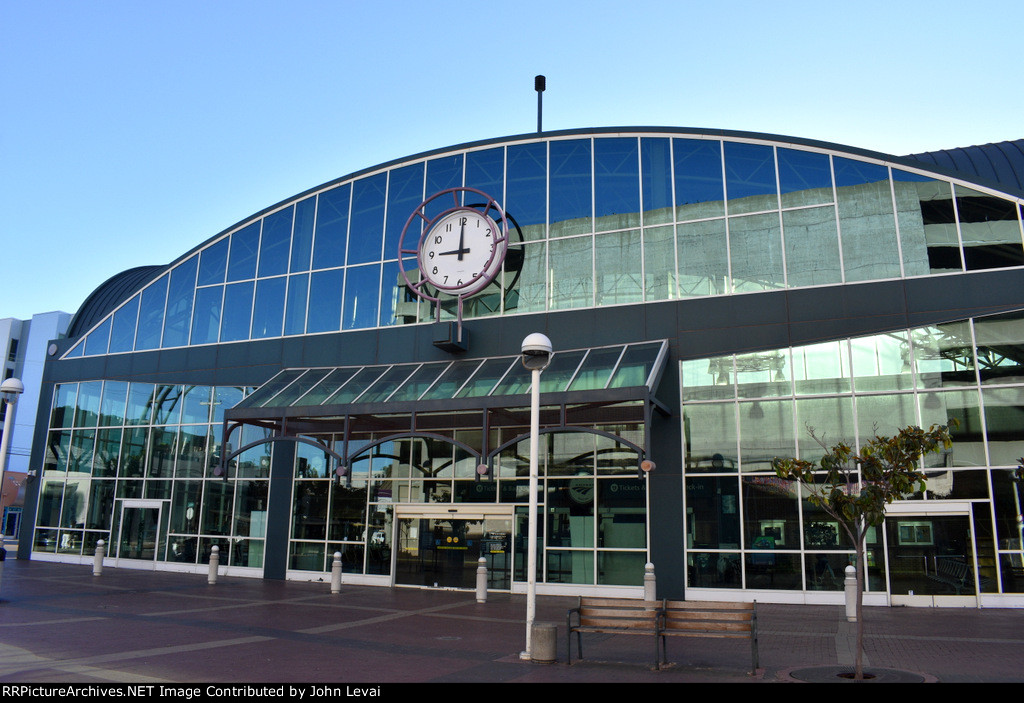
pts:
pixel 617 257
pixel 755 249
pixel 866 223
pixel 812 247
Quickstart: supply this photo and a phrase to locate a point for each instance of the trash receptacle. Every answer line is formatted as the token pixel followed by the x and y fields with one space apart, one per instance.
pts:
pixel 544 636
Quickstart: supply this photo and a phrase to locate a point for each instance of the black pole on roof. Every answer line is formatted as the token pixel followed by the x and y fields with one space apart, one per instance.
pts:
pixel 539 84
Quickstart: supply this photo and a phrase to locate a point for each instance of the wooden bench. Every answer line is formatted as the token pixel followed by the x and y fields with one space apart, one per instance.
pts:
pixel 619 616
pixel 709 619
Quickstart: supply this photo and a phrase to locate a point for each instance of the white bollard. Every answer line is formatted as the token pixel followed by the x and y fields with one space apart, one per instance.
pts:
pixel 214 563
pixel 650 585
pixel 336 573
pixel 850 584
pixel 97 559
pixel 481 580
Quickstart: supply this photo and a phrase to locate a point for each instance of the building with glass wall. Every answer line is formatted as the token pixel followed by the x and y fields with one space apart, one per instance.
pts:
pixel 309 383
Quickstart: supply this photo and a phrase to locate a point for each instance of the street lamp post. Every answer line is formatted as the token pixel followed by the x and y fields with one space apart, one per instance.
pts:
pixel 536 354
pixel 10 389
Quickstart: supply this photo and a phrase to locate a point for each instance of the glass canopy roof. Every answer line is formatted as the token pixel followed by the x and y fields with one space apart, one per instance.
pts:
pixel 319 391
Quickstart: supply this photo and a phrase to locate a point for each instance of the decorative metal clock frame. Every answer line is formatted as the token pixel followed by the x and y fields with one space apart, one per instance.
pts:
pixel 430 236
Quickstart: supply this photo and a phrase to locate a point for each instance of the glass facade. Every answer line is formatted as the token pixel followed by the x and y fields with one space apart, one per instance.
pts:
pixel 632 247
pixel 747 528
pixel 598 221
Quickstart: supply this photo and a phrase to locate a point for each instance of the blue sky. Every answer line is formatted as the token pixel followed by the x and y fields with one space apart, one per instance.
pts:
pixel 132 130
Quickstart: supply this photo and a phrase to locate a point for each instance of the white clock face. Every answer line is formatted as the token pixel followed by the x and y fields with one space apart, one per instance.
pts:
pixel 462 251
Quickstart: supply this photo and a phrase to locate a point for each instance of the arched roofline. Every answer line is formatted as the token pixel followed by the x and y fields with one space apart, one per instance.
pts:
pixel 594 131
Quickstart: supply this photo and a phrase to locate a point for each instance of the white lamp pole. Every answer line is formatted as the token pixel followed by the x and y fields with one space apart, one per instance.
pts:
pixel 536 356
pixel 10 389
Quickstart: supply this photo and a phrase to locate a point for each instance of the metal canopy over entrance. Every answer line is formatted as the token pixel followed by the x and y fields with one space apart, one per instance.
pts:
pixel 581 388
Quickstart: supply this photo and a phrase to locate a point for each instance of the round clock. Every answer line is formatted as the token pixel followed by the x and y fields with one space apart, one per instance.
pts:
pixel 461 249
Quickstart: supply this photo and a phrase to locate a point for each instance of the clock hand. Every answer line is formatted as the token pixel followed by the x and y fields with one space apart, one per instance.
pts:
pixel 462 237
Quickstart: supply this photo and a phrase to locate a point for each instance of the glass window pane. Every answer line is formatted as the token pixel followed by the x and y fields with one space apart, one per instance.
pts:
pixel 87 407
pixel 821 368
pixel 295 304
pixel 703 258
pixel 636 365
pixel 805 178
pixel 405 193
pixel 268 312
pixel 570 183
pixel 362 296
pixel 367 226
pixel 713 512
pixel 330 385
pixel 812 247
pixel 1004 420
pixel 112 410
pixel 656 179
pixel 710 435
pixel 526 196
pixel 881 362
pixel 122 331
pixel 452 380
pixel 572 275
pixel 393 294
pixel 486 377
pixel 989 230
pixel 420 380
pixel 659 263
pixel 242 257
pixel 616 183
pixel 944 355
pixel 527 290
pixel 178 318
pixel 698 173
pixel 924 209
pixel 275 242
pixel 866 222
pixel 750 178
pixel 968 439
pixel 617 259
pixel 99 339
pixel 755 248
pixel 1000 350
pixel 213 263
pixel 331 228
pixel 770 517
pixel 206 318
pixel 151 315
pixel 766 432
pixel 237 311
pixel 825 421
pixel 596 369
pixel 302 236
pixel 325 287
pixel 64 396
pixel 485 170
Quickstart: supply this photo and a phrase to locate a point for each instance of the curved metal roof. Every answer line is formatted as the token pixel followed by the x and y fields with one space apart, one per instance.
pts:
pixel 108 295
pixel 1001 163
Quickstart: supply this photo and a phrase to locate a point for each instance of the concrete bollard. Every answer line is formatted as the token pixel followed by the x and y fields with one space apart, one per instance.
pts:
pixel 650 584
pixel 850 585
pixel 97 559
pixel 336 573
pixel 481 580
pixel 214 564
pixel 544 640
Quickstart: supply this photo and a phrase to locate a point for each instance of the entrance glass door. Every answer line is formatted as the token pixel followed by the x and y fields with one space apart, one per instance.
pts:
pixel 442 550
pixel 138 536
pixel 930 556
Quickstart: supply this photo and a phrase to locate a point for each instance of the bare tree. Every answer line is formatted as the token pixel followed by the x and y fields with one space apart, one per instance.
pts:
pixel 854 489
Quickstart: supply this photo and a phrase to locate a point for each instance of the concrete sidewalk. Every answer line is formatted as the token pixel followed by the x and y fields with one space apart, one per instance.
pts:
pixel 59 623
